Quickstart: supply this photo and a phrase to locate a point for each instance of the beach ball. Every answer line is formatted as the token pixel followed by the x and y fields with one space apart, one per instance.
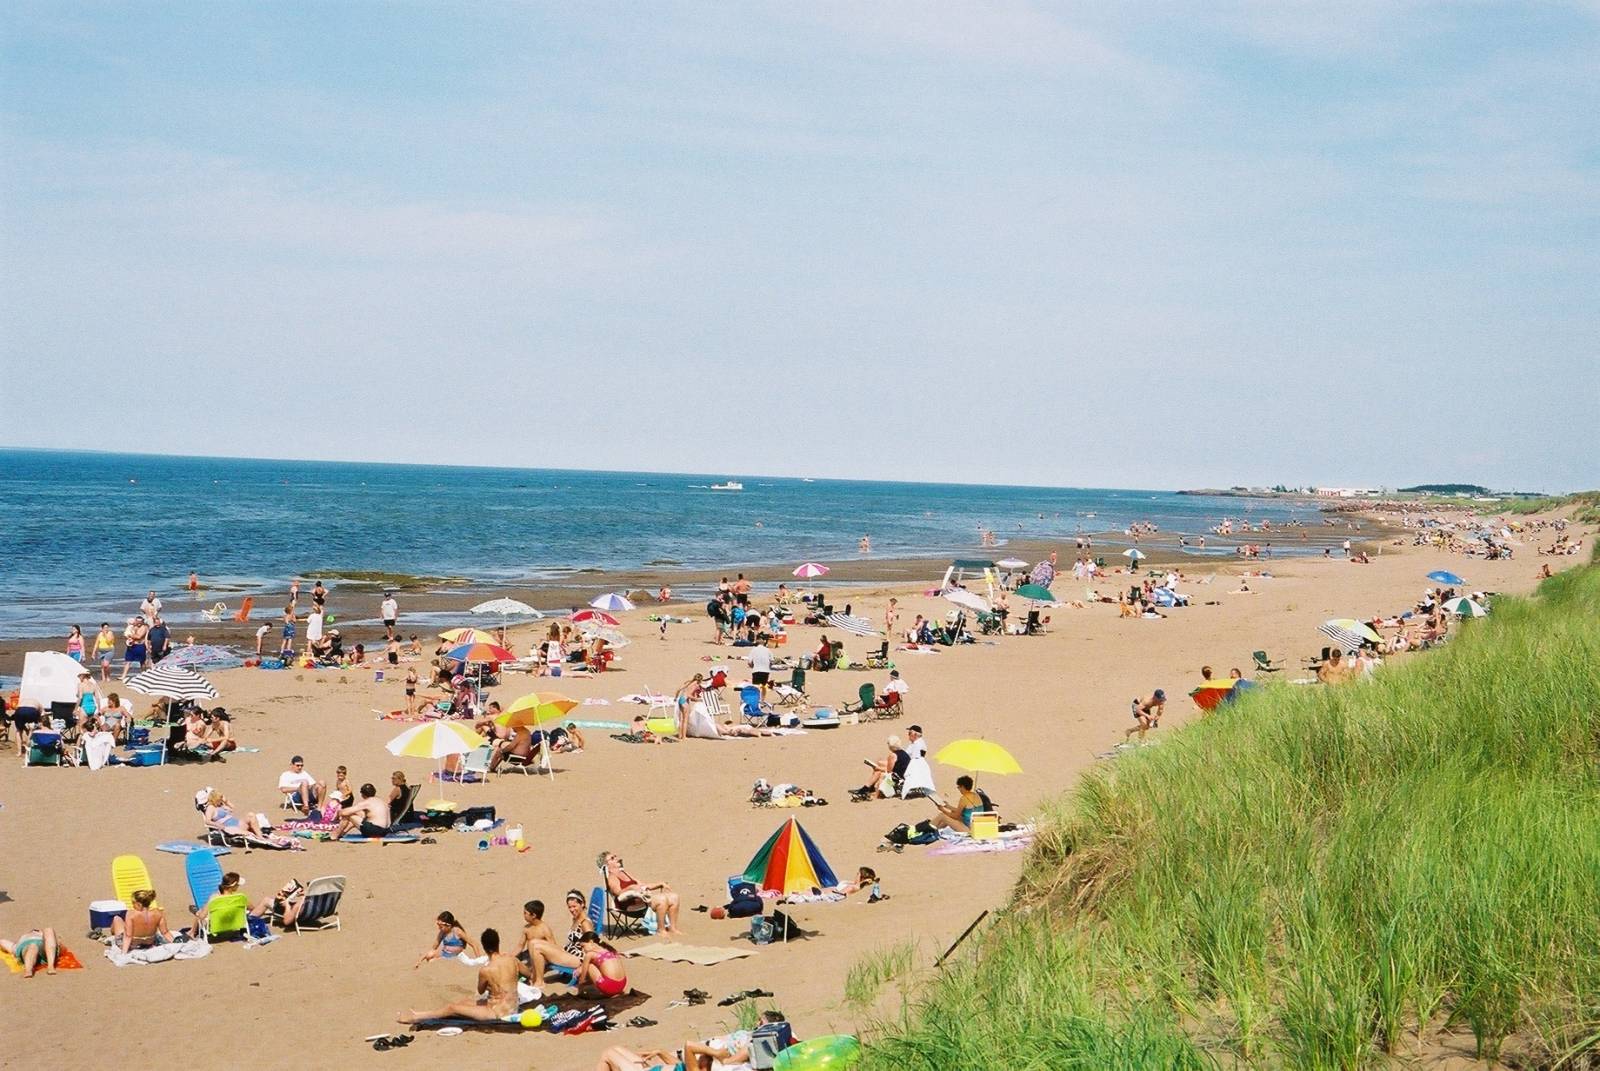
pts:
pixel 835 1052
pixel 719 912
pixel 532 1019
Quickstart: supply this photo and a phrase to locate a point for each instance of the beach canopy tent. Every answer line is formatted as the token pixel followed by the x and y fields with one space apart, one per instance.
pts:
pixel 49 677
pixel 961 568
pixel 789 862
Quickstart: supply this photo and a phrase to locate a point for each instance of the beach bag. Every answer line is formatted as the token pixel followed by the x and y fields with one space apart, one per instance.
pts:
pixel 900 834
pixel 743 900
pixel 924 833
pixel 784 928
pixel 257 927
pixel 760 930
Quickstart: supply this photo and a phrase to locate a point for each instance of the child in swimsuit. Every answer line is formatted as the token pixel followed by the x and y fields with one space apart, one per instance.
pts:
pixel 449 942
pixel 601 967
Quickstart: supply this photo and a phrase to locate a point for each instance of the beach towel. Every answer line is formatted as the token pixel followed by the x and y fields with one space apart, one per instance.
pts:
pixel 456 778
pixel 601 724
pixel 699 955
pixel 65 960
pixel 97 749
pixel 919 775
pixel 979 847
pixel 141 957
pixel 612 1005
pixel 188 847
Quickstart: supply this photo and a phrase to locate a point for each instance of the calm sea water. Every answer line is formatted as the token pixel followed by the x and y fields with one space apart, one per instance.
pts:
pixel 86 534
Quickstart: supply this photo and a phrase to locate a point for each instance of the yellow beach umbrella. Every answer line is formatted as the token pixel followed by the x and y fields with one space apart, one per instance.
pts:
pixel 978 756
pixel 536 708
pixel 435 740
pixel 457 636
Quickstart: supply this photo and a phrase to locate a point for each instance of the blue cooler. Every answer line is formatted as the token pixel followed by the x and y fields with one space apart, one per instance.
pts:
pixel 147 756
pixel 101 912
pixel 138 737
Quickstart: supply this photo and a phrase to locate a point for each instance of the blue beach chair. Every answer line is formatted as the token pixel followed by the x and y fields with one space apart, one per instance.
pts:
pixel 204 874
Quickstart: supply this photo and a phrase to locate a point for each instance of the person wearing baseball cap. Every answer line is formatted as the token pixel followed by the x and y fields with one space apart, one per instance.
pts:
pixel 301 791
pixel 1147 714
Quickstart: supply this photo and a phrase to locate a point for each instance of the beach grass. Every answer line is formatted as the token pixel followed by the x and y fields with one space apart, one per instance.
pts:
pixel 1585 504
pixel 1316 878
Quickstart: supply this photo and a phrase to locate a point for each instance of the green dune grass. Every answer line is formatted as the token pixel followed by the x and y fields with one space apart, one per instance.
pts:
pixel 1315 878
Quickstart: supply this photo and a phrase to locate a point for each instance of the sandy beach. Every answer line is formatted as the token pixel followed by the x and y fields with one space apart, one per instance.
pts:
pixel 677 813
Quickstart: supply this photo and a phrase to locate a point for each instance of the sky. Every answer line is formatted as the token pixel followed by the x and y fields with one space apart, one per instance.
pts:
pixel 1142 245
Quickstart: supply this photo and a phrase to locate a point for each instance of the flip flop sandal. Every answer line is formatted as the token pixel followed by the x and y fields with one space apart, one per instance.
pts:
pixel 757 994
pixel 701 907
pixel 641 1021
pixel 382 1045
pixel 730 1001
pixel 696 995
pixel 400 1041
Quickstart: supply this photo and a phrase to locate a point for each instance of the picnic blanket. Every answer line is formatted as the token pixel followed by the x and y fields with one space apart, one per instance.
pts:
pixel 699 955
pixel 159 954
pixel 964 845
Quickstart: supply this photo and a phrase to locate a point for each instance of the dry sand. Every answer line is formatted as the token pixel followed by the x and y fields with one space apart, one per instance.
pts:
pixel 677 813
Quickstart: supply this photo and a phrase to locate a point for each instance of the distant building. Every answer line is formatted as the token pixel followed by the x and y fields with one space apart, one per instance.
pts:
pixel 1347 492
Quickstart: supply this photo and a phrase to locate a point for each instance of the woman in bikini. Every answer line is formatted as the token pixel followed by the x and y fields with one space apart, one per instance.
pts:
pixel 625 888
pixel 144 926
pixel 542 954
pixel 220 815
pixel 601 968
pixel 449 942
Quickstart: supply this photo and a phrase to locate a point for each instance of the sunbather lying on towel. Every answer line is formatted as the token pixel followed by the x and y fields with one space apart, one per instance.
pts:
pixel 497 988
pixel 31 947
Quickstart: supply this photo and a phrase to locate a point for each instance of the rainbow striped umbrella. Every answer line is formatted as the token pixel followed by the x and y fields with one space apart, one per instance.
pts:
pixel 459 636
pixel 480 652
pixel 790 863
pixel 1211 694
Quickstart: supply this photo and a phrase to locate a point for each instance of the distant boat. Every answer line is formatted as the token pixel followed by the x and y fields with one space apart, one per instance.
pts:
pixel 731 485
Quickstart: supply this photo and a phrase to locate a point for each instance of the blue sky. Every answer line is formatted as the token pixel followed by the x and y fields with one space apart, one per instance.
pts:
pixel 1156 245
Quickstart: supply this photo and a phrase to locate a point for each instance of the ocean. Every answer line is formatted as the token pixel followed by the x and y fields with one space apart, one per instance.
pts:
pixel 85 535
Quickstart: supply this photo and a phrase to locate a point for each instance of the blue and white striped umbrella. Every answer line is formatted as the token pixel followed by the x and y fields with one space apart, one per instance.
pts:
pixel 860 626
pixel 612 602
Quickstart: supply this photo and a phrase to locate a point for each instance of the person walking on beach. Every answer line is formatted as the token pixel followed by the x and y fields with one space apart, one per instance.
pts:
pixel 105 648
pixel 390 612
pixel 150 607
pixel 160 640
pixel 75 644
pixel 891 614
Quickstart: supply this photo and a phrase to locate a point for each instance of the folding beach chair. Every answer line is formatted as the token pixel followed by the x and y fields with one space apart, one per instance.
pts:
pixel 128 876
pixel 1265 664
pixel 715 705
pixel 44 748
pixel 320 909
pixel 890 706
pixel 227 918
pixel 204 874
pixel 867 697
pixel 620 921
pixel 752 709
pixel 402 814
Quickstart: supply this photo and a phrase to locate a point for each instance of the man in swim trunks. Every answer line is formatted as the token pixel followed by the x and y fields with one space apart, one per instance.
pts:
pixel 133 654
pixel 534 928
pixel 369 815
pixel 497 988
pixel 1147 714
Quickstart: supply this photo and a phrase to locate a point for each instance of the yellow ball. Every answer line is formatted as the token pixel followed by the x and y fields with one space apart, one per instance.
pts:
pixel 532 1019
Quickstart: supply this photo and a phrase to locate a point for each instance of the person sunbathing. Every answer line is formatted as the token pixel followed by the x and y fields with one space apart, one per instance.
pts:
pixel 888 774
pixel 730 1051
pixel 622 1058
pixel 600 968
pixel 144 926
pixel 545 953
pixel 229 887
pixel 219 734
pixel 626 889
pixel 958 816
pixel 520 746
pixel 31 947
pixel 449 942
pixel 369 815
pixel 497 988
pixel 220 815
pixel 283 906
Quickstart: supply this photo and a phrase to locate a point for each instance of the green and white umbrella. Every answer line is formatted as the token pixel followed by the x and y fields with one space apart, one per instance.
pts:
pixel 1466 607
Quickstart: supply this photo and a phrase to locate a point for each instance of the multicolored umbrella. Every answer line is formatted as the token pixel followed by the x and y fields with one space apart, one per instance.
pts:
pixel 1035 592
pixel 597 617
pixel 611 601
pixel 811 570
pixel 789 862
pixel 480 652
pixel 1211 693
pixel 1044 574
pixel 978 756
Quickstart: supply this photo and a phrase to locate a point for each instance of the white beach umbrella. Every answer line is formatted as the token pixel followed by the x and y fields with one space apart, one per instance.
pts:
pixel 611 601
pixel 507 608
pixel 1134 553
pixel 811 570
pixel 49 677
pixel 962 597
pixel 1012 563
pixel 174 682
pixel 596 630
